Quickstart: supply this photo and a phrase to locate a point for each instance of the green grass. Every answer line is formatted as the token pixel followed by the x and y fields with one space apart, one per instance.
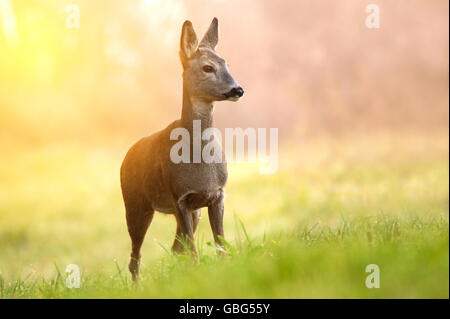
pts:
pixel 308 231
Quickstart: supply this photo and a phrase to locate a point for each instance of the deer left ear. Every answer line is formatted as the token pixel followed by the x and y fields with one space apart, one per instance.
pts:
pixel 211 36
pixel 188 42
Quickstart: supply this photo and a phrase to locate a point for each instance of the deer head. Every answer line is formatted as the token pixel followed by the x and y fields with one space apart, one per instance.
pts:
pixel 205 73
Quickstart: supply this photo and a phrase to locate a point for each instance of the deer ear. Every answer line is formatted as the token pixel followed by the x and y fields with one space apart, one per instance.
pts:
pixel 188 42
pixel 211 36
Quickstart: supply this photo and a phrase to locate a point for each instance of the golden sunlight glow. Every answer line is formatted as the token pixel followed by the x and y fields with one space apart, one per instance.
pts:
pixel 8 23
pixel 162 13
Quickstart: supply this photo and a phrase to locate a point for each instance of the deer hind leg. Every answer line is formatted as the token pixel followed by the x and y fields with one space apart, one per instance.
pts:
pixel 178 246
pixel 196 214
pixel 215 212
pixel 138 221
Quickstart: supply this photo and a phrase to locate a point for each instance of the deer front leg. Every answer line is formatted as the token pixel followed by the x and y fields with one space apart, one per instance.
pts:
pixel 185 230
pixel 177 246
pixel 215 212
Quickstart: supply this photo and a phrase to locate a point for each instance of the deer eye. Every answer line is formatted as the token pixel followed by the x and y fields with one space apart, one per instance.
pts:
pixel 208 69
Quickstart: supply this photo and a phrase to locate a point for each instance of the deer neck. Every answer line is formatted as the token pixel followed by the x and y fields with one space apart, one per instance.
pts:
pixel 196 109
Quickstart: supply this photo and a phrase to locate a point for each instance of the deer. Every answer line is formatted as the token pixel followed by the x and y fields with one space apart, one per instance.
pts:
pixel 151 181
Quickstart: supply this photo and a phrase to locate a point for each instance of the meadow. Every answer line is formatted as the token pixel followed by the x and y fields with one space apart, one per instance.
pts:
pixel 308 231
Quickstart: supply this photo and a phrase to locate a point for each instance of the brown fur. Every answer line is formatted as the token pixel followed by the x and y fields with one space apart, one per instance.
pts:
pixel 152 182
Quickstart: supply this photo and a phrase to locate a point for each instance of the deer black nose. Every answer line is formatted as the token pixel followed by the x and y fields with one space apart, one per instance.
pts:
pixel 236 92
pixel 239 91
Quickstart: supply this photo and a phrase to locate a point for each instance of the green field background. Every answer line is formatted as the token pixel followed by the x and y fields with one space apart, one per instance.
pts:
pixel 307 231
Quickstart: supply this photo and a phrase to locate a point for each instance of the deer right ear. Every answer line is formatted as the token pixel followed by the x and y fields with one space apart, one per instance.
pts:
pixel 188 42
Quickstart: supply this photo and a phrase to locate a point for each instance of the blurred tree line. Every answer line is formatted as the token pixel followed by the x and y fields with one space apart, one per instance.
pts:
pixel 308 67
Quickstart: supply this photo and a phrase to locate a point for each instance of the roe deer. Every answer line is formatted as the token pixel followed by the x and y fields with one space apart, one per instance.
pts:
pixel 152 182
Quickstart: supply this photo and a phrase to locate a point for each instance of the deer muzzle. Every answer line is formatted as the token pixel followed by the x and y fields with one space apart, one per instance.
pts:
pixel 235 93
